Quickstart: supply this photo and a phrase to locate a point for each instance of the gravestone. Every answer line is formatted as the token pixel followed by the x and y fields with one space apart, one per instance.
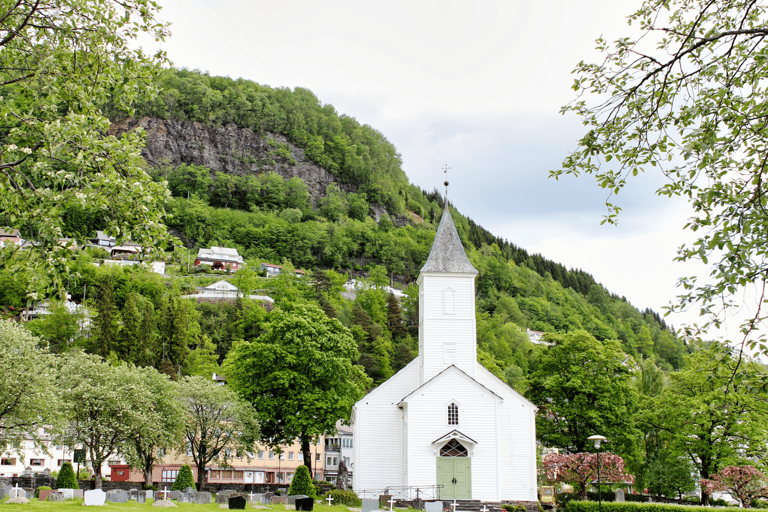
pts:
pixel 76 493
pixel 433 506
pixel 278 500
pixel 176 494
pixel 133 494
pixel 44 493
pixel 620 495
pixel 268 498
pixel 148 495
pixel 55 496
pixel 371 505
pixel 4 490
pixel 117 496
pixel 184 498
pixel 141 497
pixel 202 497
pixel 17 492
pixel 222 497
pixel 237 503
pixel 68 494
pixel 418 503
pixel 96 497
pixel 291 500
pixel 305 503
pixel 190 490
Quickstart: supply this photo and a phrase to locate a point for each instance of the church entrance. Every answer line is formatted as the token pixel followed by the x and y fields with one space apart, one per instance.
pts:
pixel 454 472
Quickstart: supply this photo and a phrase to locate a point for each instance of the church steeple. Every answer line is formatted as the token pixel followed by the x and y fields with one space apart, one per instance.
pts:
pixel 447 254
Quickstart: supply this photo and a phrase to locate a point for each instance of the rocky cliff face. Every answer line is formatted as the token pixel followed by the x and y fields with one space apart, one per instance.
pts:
pixel 228 149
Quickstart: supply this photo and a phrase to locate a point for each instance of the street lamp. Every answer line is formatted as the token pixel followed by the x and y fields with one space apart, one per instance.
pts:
pixel 597 440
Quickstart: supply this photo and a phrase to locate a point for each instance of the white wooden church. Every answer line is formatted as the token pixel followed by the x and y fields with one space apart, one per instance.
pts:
pixel 444 422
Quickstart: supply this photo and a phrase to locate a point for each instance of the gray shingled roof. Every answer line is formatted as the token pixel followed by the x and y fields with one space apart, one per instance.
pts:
pixel 447 254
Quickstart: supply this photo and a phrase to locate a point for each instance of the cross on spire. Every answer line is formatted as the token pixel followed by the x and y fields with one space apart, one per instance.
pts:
pixel 445 170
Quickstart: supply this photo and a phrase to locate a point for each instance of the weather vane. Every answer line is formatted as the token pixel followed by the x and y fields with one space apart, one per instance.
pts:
pixel 445 170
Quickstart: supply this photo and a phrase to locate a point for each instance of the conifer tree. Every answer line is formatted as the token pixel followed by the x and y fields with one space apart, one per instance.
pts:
pixel 184 479
pixel 67 478
pixel 302 483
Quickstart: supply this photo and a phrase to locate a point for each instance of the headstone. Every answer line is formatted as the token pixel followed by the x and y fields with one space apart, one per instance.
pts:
pixel 190 490
pixel 117 496
pixel 4 490
pixel 433 506
pixel 77 494
pixel 149 495
pixel 17 492
pixel 68 494
pixel 95 497
pixel 267 498
pixel 54 496
pixel 202 497
pixel 176 494
pixel 133 494
pixel 371 505
pixel 291 500
pixel 222 497
pixel 44 493
pixel 141 497
pixel 278 500
pixel 184 498
pixel 620 495
pixel 418 504
pixel 305 503
pixel 237 503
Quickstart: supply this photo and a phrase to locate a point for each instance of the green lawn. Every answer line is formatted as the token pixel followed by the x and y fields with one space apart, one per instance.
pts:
pixel 132 505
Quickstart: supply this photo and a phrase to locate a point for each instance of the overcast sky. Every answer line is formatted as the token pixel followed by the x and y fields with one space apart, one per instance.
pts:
pixel 473 85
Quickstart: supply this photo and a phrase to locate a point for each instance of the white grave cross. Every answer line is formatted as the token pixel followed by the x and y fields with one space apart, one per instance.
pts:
pixel 454 505
pixel 484 509
pixel 329 499
pixel 391 502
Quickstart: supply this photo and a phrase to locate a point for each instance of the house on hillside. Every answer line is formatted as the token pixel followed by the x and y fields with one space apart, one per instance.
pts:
pixel 224 290
pixel 104 240
pixel 10 236
pixel 444 424
pixel 219 258
pixel 273 270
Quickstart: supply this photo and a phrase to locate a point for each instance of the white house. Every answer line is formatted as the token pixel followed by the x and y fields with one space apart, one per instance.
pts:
pixel 219 258
pixel 444 423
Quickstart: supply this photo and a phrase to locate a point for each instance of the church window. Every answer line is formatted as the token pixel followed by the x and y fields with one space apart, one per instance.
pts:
pixel 448 302
pixel 453 414
pixel 449 353
pixel 453 448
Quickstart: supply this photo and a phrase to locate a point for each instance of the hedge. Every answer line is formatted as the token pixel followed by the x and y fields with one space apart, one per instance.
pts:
pixel 592 506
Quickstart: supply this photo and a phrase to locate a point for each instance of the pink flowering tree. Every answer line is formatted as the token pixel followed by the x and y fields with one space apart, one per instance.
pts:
pixel 744 483
pixel 579 469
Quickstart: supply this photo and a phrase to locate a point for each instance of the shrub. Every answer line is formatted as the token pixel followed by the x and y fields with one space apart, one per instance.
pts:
pixel 509 507
pixel 302 483
pixel 145 487
pixel 66 479
pixel 184 479
pixel 348 498
pixel 41 488
pixel 592 506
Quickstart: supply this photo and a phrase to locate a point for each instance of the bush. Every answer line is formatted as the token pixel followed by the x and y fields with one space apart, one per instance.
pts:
pixel 41 488
pixel 348 498
pixel 184 479
pixel 592 506
pixel 302 483
pixel 145 487
pixel 66 479
pixel 509 507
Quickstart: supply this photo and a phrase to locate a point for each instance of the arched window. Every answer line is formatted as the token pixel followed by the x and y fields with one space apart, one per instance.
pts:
pixel 453 414
pixel 453 448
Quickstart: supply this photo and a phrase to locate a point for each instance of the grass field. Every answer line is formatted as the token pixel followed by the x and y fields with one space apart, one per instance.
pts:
pixel 147 507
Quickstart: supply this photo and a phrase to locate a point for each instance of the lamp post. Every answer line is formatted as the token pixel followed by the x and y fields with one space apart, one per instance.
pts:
pixel 597 439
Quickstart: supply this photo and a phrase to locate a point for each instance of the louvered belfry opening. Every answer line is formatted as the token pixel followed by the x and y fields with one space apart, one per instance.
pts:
pixel 453 448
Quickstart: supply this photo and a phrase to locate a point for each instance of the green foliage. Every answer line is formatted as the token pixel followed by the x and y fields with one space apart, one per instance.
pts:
pixel 66 478
pixel 347 497
pixel 513 508
pixel 686 109
pixel 302 483
pixel 300 375
pixel 593 506
pixel 60 68
pixel 184 479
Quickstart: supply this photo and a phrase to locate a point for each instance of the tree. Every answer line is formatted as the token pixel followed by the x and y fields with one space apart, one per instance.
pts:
pixel 582 387
pixel 685 96
pixel 184 479
pixel 163 426
pixel 63 63
pixel 745 483
pixel 299 376
pixel 580 469
pixel 216 419
pixel 67 478
pixel 713 411
pixel 670 475
pixel 103 404
pixel 28 398
pixel 302 483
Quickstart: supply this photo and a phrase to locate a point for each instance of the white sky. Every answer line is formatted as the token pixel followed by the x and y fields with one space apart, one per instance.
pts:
pixel 474 85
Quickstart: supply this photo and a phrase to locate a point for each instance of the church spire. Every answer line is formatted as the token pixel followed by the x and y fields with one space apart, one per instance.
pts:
pixel 447 254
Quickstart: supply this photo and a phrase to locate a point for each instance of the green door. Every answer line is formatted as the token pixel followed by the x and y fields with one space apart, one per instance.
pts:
pixel 455 475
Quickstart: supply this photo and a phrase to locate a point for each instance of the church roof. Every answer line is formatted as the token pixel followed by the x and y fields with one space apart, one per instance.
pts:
pixel 450 369
pixel 447 254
